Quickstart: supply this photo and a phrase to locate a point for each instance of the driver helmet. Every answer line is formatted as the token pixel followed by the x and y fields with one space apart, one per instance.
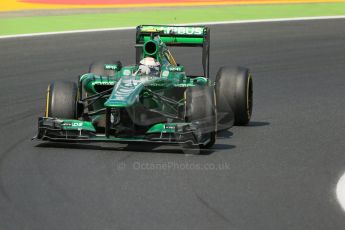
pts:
pixel 149 66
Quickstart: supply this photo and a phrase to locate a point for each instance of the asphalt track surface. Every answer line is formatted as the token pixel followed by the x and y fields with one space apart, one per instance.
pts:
pixel 283 167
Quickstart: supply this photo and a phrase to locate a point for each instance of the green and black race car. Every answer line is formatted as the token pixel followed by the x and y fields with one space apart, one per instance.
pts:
pixel 151 101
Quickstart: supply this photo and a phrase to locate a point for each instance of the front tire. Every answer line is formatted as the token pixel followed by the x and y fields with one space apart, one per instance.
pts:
pixel 61 100
pixel 200 107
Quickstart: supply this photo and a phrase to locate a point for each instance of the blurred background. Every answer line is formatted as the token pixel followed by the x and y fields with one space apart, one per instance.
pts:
pixel 37 16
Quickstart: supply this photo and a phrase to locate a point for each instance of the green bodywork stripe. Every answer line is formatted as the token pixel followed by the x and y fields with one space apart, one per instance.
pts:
pixel 186 40
pixel 166 128
pixel 77 125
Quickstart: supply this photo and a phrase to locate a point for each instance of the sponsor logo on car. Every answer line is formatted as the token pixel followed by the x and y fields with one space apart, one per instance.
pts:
pixel 176 30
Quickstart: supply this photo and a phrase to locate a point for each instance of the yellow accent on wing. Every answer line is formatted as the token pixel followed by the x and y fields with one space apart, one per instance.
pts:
pixel 151 30
pixel 171 58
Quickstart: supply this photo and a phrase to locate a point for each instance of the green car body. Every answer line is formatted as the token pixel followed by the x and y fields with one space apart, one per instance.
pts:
pixel 116 103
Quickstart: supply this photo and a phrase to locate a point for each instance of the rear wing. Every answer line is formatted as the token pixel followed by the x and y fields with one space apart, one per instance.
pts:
pixel 182 36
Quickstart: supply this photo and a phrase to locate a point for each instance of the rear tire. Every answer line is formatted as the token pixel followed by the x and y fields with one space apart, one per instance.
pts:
pixel 200 107
pixel 61 100
pixel 234 90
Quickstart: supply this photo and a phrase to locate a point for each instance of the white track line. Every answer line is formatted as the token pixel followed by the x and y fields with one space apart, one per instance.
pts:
pixel 340 190
pixel 197 23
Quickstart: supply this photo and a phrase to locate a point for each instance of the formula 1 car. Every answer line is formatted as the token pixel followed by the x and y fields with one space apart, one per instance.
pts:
pixel 151 101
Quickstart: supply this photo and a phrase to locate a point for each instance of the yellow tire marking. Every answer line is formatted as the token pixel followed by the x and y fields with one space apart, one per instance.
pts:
pixel 248 81
pixel 47 102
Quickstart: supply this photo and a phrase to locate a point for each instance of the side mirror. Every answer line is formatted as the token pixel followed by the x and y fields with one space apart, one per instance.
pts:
pixel 115 67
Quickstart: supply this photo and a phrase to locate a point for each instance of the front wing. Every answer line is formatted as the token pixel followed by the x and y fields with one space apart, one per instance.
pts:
pixel 62 130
